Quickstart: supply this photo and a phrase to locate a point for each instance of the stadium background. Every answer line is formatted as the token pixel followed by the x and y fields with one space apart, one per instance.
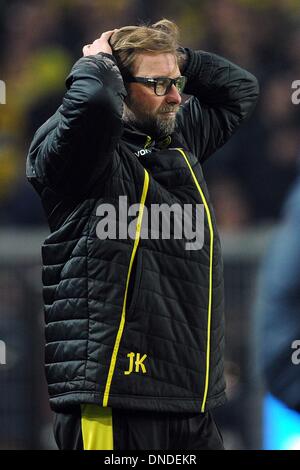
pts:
pixel 249 179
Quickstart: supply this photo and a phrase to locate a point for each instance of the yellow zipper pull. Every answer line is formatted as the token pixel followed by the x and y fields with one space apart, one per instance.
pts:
pixel 148 142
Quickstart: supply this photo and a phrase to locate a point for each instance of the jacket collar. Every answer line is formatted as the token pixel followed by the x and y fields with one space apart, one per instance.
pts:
pixel 139 140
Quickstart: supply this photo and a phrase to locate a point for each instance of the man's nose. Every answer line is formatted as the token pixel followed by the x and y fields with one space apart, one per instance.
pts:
pixel 173 96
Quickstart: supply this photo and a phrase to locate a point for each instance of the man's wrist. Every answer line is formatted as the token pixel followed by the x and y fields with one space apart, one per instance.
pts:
pixel 182 59
pixel 192 64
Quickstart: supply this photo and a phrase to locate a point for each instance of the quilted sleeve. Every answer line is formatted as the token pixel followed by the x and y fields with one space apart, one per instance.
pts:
pixel 81 136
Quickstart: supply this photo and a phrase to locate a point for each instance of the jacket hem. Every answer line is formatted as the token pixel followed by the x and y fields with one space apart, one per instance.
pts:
pixel 137 402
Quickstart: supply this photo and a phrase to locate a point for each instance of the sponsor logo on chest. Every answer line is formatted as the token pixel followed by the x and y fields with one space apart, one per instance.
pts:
pixel 142 152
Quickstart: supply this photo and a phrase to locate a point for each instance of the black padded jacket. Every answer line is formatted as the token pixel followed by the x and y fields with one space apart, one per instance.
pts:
pixel 136 322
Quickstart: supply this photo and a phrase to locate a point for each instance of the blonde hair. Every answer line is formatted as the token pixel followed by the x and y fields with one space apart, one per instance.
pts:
pixel 129 41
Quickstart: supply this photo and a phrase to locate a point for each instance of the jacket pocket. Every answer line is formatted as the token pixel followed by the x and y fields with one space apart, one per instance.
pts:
pixel 134 283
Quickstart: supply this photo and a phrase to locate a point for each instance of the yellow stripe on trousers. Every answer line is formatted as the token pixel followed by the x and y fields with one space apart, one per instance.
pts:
pixel 210 278
pixel 122 322
pixel 96 427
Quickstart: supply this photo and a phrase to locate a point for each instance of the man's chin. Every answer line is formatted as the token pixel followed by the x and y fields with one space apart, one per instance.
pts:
pixel 166 126
pixel 158 127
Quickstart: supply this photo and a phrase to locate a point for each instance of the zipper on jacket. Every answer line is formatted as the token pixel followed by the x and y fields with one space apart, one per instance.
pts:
pixel 123 315
pixel 148 142
pixel 211 248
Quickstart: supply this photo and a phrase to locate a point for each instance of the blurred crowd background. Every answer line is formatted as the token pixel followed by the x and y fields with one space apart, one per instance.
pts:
pixel 41 40
pixel 249 178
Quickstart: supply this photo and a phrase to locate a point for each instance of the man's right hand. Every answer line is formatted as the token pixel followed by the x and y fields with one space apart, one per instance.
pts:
pixel 99 45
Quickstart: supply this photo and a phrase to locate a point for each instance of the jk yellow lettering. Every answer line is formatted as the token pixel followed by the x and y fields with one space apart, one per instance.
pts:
pixel 136 360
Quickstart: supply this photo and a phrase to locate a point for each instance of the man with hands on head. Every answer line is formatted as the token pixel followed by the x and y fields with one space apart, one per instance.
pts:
pixel 135 326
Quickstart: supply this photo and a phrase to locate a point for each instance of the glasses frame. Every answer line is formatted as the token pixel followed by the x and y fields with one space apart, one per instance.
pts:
pixel 154 81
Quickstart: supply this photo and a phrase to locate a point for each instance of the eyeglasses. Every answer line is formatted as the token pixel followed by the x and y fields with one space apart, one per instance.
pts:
pixel 161 85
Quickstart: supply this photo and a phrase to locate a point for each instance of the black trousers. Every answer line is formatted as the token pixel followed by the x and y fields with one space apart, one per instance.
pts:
pixel 91 427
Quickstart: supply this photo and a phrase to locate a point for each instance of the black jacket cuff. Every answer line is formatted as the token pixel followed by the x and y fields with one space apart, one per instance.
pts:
pixel 198 66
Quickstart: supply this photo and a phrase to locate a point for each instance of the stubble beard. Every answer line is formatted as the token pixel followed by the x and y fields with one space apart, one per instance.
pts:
pixel 157 125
